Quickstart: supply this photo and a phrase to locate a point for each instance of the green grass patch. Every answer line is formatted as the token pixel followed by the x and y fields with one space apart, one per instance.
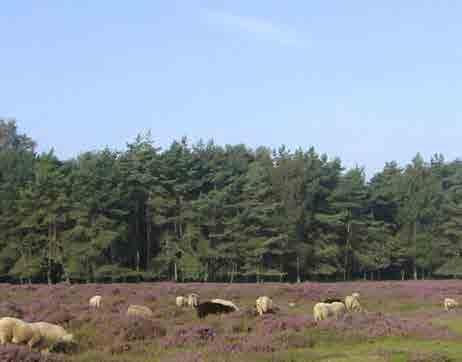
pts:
pixel 454 323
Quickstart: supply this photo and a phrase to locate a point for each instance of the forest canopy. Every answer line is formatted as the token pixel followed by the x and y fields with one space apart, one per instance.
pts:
pixel 205 212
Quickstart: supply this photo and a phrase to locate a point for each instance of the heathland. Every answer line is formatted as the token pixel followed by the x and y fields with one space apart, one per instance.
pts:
pixel 401 321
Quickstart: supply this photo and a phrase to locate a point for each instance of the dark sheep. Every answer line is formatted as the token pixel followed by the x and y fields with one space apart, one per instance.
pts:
pixel 206 308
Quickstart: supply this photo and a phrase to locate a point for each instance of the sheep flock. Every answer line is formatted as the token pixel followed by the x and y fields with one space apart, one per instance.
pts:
pixel 43 335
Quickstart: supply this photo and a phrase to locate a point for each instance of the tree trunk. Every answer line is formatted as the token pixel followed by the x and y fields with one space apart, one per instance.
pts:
pixel 364 275
pixel 138 261
pixel 299 280
pixel 50 241
pixel 232 274
pixel 148 234
pixel 414 240
pixel 175 272
pixel 403 274
pixel 206 273
pixel 180 221
pixel 347 250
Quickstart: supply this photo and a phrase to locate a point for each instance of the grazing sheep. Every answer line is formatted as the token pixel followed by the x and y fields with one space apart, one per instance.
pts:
pixel 139 311
pixel 6 329
pixel 450 303
pixel 17 331
pixel 332 300
pixel 226 302
pixel 51 334
pixel 320 311
pixel 25 333
pixel 193 300
pixel 95 302
pixel 291 304
pixel 181 301
pixel 214 307
pixel 264 305
pixel 323 311
pixel 338 309
pixel 352 303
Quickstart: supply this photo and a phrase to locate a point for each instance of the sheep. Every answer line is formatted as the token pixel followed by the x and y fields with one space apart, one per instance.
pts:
pixel 193 300
pixel 216 306
pixel 25 333
pixel 320 311
pixel 332 300
pixel 6 329
pixel 225 302
pixel 338 309
pixel 95 302
pixel 51 334
pixel 181 301
pixel 450 303
pixel 17 331
pixel 139 311
pixel 323 311
pixel 352 303
pixel 264 305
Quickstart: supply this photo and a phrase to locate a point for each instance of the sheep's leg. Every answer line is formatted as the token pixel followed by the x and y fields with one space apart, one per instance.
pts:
pixel 34 341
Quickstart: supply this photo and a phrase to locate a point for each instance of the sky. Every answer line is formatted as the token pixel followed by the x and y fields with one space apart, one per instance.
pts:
pixel 366 81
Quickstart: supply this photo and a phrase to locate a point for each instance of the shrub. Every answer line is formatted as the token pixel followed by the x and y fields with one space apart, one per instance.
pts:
pixel 9 309
pixel 12 353
pixel 136 329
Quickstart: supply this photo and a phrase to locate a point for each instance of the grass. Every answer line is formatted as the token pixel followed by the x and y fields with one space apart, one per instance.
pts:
pixel 390 349
pixel 453 322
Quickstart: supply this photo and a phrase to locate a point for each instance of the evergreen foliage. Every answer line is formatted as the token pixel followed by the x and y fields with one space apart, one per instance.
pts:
pixel 205 212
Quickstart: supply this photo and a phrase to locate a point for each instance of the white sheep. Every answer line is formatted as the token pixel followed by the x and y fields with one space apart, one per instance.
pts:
pixel 95 302
pixel 323 311
pixel 264 305
pixel 51 334
pixel 450 303
pixel 181 301
pixel 17 331
pixel 193 300
pixel 337 309
pixel 352 303
pixel 320 311
pixel 139 311
pixel 6 329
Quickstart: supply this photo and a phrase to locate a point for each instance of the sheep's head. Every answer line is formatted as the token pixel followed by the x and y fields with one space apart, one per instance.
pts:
pixel 355 295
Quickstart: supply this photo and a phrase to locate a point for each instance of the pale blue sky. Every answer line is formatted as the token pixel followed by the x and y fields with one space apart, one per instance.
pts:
pixel 366 82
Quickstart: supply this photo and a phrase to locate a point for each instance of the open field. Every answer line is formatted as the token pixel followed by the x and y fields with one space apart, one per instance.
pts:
pixel 404 321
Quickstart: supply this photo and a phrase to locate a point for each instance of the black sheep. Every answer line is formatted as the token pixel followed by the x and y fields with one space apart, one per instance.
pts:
pixel 206 308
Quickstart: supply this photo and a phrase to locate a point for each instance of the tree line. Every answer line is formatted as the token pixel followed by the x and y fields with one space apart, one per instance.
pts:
pixel 205 212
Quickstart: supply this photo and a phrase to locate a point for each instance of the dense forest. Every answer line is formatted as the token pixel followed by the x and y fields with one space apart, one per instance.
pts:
pixel 205 212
